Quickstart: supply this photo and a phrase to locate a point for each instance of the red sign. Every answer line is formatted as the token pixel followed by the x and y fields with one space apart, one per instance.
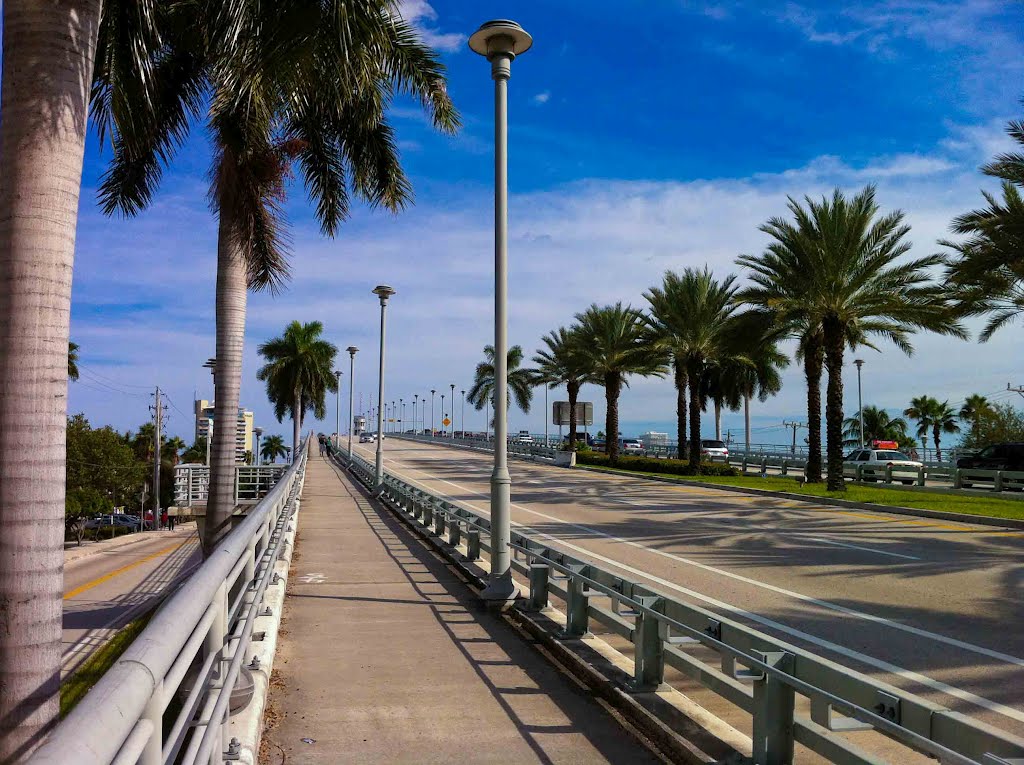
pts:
pixel 885 444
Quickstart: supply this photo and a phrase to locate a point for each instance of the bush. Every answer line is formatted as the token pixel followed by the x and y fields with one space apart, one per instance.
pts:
pixel 652 465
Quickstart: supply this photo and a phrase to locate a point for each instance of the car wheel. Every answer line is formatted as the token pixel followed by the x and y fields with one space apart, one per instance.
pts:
pixel 907 483
pixel 967 486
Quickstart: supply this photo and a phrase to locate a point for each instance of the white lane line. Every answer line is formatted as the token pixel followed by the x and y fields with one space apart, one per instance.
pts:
pixel 854 547
pixel 980 701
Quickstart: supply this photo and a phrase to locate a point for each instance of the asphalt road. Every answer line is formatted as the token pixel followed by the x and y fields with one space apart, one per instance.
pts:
pixel 930 606
pixel 105 591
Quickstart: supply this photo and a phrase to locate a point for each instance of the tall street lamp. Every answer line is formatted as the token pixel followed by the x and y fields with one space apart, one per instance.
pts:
pixel 383 292
pixel 337 405
pixel 432 392
pixel 500 41
pixel 860 401
pixel 257 432
pixel 442 415
pixel 352 351
pixel 415 412
pixel 463 413
pixel 452 402
pixel 401 415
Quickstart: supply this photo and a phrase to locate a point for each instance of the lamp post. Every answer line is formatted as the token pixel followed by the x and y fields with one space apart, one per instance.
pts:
pixel 337 406
pixel 452 402
pixel 352 350
pixel 860 401
pixel 383 292
pixel 463 413
pixel 401 415
pixel 432 392
pixel 415 412
pixel 500 41
pixel 546 444
pixel 442 415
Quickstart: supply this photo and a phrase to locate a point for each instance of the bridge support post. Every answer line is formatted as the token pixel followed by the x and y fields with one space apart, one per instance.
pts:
pixel 428 513
pixel 648 650
pixel 454 531
pixel 577 616
pixel 473 544
pixel 439 521
pixel 538 586
pixel 773 713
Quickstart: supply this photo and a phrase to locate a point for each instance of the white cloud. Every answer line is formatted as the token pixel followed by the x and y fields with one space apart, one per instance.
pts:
pixel 542 98
pixel 595 240
pixel 422 15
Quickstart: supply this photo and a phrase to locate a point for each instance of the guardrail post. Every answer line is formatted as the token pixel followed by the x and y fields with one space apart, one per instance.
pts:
pixel 648 650
pixel 428 512
pixel 214 644
pixel 888 473
pixel 958 479
pixel 997 482
pixel 454 532
pixel 577 616
pixel 439 521
pixel 785 467
pixel 473 544
pixel 773 712
pixel 920 475
pixel 538 586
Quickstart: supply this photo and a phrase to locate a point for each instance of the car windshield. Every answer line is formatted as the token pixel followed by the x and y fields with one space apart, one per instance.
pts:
pixel 713 444
pixel 898 456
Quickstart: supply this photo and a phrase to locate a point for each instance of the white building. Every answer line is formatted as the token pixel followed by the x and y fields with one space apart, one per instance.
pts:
pixel 652 438
pixel 243 427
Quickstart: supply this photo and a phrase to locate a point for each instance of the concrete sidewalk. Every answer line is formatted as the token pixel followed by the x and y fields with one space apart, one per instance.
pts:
pixel 386 657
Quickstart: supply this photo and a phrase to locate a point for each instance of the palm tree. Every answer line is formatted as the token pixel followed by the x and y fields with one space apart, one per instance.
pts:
pixel 922 409
pixel 756 366
pixel 615 342
pixel 973 408
pixel 692 316
pixel 986 273
pixel 288 84
pixel 72 361
pixel 520 380
pixel 174 446
pixel 943 421
pixel 298 374
pixel 48 56
pixel 562 363
pixel 878 425
pixel 272 448
pixel 850 285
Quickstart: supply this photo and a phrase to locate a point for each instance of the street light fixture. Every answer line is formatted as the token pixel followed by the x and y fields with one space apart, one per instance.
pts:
pixel 452 401
pixel 442 416
pixel 500 41
pixel 383 292
pixel 256 453
pixel 860 401
pixel 415 413
pixel 463 413
pixel 432 392
pixel 337 406
pixel 352 351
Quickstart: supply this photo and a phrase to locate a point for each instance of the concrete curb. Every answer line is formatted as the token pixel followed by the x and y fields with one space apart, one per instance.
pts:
pixel 977 520
pixel 247 725
pixel 646 724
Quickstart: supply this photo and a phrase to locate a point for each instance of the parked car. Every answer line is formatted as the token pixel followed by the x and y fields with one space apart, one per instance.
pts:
pixel 632 446
pixel 875 462
pixel 117 520
pixel 712 448
pixel 523 437
pixel 1008 456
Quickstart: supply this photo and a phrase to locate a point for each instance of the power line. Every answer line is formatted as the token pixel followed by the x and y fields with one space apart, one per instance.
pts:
pixel 111 379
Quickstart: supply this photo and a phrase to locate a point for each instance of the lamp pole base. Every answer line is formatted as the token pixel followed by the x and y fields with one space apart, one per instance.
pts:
pixel 501 592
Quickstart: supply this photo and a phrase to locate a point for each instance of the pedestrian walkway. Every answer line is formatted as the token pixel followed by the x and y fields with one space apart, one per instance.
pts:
pixel 387 657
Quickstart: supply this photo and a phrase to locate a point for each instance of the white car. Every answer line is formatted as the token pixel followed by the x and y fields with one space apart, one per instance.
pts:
pixel 712 448
pixel 632 446
pixel 875 461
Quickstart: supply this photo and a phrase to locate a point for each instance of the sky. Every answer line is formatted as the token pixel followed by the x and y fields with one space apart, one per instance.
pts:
pixel 643 137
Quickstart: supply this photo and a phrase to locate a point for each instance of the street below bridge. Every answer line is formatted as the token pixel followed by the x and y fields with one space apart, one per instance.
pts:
pixel 933 607
pixel 105 591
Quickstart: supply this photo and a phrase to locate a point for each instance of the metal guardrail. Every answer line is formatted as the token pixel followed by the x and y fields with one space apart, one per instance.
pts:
pixel 754 671
pixel 166 700
pixel 252 482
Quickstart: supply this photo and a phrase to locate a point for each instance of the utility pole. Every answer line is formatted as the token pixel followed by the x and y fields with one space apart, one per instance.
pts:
pixel 794 426
pixel 157 422
pixel 1018 389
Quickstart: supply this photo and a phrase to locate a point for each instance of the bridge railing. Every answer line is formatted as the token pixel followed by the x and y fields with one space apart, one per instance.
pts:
pixel 166 699
pixel 252 482
pixel 754 671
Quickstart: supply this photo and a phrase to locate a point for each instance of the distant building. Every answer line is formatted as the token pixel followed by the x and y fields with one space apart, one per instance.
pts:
pixel 243 427
pixel 651 438
pixel 358 425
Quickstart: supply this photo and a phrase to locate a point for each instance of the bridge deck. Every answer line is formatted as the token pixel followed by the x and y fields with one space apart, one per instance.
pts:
pixel 386 656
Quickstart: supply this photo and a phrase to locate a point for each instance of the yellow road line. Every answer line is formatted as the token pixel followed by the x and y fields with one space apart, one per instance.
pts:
pixel 119 571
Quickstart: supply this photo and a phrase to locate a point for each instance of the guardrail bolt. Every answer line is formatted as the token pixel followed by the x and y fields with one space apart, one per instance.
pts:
pixel 266 611
pixel 255 663
pixel 276 579
pixel 234 751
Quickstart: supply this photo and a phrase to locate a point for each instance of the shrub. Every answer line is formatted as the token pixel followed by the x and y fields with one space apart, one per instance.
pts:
pixel 652 465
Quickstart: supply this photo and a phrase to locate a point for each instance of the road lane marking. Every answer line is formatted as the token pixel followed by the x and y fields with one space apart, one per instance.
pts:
pixel 117 572
pixel 907 674
pixel 855 547
pixel 773 588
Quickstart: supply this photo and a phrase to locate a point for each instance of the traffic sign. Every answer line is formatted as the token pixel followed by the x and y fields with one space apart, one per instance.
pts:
pixel 446 422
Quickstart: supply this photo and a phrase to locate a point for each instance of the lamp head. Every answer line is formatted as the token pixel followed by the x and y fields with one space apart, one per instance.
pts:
pixel 500 36
pixel 352 351
pixel 383 291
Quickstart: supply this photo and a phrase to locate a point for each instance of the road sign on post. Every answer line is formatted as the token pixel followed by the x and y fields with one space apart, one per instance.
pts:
pixel 446 422
pixel 584 413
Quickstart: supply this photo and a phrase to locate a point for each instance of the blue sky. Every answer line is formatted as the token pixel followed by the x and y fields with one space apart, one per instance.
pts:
pixel 643 137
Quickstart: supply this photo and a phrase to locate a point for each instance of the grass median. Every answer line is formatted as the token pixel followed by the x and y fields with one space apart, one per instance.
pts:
pixel 74 688
pixel 881 496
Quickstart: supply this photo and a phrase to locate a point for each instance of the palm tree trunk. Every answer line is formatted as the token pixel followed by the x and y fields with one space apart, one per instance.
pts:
pixel 718 419
pixel 680 381
pixel 746 422
pixel 612 388
pixel 694 380
pixel 834 344
pixel 938 450
pixel 573 389
pixel 812 372
pixel 297 424
pixel 232 286
pixel 47 67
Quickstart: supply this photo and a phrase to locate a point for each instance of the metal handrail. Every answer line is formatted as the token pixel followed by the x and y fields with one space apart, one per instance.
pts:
pixel 199 638
pixel 252 482
pixel 773 669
